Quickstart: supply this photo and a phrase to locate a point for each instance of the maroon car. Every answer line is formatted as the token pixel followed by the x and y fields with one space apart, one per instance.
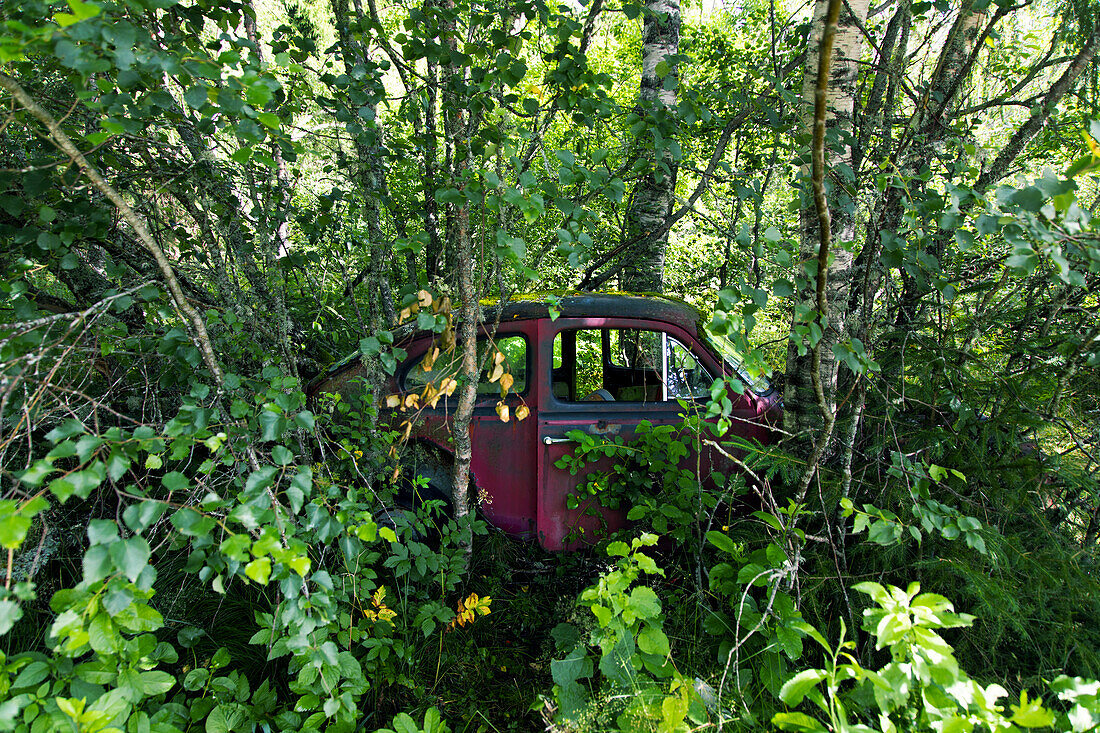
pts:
pixel 604 364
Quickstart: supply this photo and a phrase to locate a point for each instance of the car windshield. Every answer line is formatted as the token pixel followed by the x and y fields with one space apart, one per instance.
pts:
pixel 759 383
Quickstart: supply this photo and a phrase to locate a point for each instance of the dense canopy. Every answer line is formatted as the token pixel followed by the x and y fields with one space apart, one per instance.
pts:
pixel 891 210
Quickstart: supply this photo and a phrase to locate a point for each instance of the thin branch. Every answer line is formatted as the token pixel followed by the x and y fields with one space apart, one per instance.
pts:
pixel 66 145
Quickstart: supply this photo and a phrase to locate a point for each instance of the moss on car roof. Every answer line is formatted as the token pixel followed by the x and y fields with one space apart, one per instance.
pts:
pixel 580 304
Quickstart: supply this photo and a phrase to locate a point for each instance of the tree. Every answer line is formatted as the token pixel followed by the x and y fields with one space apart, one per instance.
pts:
pixel 651 200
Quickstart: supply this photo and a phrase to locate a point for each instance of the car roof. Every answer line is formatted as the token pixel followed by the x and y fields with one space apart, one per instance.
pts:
pixel 530 306
pixel 598 305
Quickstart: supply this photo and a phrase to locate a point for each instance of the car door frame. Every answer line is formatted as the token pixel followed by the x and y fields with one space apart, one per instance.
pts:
pixel 558 526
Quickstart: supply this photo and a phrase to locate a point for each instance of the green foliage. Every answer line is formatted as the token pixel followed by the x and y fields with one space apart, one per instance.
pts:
pixel 626 650
pixel 402 723
pixel 922 687
pixel 186 553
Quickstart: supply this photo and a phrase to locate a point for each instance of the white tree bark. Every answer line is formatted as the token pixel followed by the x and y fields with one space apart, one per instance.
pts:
pixel 804 409
pixel 653 196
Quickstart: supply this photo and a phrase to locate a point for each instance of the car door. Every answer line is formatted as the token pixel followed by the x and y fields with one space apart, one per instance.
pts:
pixel 604 376
pixel 504 456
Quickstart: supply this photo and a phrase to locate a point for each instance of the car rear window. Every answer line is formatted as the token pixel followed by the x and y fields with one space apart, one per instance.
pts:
pixel 423 370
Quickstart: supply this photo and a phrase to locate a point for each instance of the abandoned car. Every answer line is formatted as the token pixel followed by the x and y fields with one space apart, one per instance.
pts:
pixel 603 364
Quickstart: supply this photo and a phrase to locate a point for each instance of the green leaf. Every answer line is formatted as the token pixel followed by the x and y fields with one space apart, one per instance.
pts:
pixel 196 679
pixel 281 455
pixel 795 689
pixel 139 517
pixel 403 723
pixel 259 570
pixel 1029 199
pixel 269 120
pixel 102 532
pixel 191 523
pixel 723 542
pixel 226 718
pixel 272 424
pixel 644 603
pixel 156 682
pixel 81 11
pixel 653 640
pixel 1031 713
pixel 790 640
pixel 31 675
pixel 67 429
pixel 10 612
pixel 97 564
pixel 117 464
pixel 103 635
pixel 175 481
pixel 618 549
pixel 131 556
pixel 797 722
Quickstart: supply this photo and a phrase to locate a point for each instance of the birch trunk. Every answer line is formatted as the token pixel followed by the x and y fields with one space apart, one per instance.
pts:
pixel 805 411
pixel 654 194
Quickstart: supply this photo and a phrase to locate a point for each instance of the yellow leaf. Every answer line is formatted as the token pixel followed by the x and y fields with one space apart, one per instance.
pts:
pixel 429 359
pixel 412 400
pixel 506 382
pixel 448 386
pixel 406 314
pixel 502 411
pixel 424 298
pixel 522 412
pixel 497 372
pixel 393 400
pixel 498 358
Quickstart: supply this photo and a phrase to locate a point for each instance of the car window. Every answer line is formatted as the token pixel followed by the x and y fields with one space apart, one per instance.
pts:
pixel 513 350
pixel 686 378
pixel 625 365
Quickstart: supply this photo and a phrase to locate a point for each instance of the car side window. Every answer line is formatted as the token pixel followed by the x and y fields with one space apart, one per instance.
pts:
pixel 625 365
pixel 435 367
pixel 686 378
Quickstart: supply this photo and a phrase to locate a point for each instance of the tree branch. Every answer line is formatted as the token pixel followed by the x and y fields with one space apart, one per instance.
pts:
pixel 66 145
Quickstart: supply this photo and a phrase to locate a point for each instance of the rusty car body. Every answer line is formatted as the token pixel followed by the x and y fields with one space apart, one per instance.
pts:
pixel 603 364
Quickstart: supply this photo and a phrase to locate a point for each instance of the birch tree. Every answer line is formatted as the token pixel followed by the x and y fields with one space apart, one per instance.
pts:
pixel 828 227
pixel 654 194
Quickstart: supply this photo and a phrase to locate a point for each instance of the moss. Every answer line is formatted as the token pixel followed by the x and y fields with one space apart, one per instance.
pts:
pixel 541 295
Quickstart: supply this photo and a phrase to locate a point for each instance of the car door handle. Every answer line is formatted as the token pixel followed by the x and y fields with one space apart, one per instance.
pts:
pixel 548 440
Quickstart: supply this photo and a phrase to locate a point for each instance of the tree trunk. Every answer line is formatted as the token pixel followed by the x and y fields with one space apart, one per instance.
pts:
pixel 654 194
pixel 381 314
pixel 460 243
pixel 805 411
